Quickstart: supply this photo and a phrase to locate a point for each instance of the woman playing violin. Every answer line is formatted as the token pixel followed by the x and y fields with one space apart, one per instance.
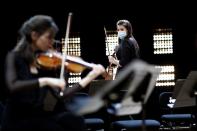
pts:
pixel 27 107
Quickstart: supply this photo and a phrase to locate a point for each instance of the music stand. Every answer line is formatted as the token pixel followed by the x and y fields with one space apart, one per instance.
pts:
pixel 186 97
pixel 129 79
pixel 136 97
pixel 178 85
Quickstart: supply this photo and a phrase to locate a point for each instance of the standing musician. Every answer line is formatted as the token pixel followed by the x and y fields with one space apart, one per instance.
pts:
pixel 128 48
pixel 27 108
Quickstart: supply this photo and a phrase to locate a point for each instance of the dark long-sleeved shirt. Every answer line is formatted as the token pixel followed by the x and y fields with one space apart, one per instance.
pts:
pixel 127 51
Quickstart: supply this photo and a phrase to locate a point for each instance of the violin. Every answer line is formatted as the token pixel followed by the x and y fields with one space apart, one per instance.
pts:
pixel 53 60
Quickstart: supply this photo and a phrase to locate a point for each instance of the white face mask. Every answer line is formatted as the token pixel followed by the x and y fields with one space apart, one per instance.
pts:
pixel 122 34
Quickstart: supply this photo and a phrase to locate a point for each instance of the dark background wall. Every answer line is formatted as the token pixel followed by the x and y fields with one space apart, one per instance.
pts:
pixel 90 19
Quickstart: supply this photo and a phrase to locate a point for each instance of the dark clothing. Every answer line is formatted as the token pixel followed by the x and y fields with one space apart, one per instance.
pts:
pixel 127 51
pixel 30 107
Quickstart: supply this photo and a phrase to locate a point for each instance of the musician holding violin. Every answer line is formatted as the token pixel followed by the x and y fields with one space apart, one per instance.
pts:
pixel 31 78
pixel 127 49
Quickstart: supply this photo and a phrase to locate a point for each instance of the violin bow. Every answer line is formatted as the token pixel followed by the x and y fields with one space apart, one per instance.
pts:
pixel 106 40
pixel 65 48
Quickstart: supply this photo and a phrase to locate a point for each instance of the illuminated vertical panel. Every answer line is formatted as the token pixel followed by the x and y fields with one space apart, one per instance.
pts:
pixel 73 49
pixel 167 76
pixel 111 42
pixel 163 41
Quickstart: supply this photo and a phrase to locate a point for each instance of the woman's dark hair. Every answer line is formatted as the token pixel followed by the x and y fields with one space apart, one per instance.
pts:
pixel 127 25
pixel 38 23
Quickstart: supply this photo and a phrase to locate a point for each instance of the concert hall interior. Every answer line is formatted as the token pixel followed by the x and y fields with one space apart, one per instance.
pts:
pixel 167 38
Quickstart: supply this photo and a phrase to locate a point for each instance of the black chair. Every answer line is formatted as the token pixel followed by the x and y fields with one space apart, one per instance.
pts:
pixel 92 123
pixel 135 125
pixel 173 119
